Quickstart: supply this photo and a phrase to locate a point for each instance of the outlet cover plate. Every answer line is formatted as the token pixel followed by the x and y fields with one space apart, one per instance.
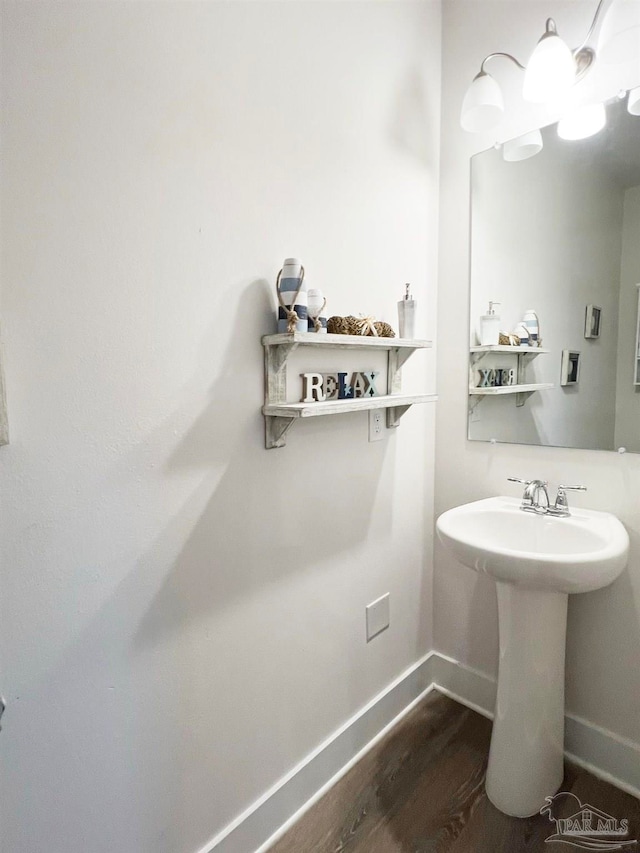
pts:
pixel 377 425
pixel 377 616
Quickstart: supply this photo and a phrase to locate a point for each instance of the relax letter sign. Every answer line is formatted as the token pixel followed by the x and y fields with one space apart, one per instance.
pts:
pixel 318 387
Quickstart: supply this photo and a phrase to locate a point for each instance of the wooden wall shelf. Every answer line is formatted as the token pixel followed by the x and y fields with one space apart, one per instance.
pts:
pixel 523 390
pixel 280 415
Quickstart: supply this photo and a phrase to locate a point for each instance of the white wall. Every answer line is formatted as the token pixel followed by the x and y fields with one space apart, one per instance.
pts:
pixel 628 394
pixel 182 612
pixel 603 677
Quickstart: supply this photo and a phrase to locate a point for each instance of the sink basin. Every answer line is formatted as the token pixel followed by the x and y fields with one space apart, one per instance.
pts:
pixel 583 552
pixel 536 560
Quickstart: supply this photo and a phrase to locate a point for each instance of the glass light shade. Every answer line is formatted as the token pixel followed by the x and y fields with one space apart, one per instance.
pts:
pixel 620 35
pixel 551 71
pixel 483 104
pixel 525 146
pixel 582 122
pixel 633 102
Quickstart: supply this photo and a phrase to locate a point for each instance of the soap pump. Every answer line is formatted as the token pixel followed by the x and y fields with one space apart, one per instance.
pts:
pixel 490 327
pixel 407 315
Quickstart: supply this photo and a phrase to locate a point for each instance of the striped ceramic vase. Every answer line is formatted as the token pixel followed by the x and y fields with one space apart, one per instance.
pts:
pixel 288 285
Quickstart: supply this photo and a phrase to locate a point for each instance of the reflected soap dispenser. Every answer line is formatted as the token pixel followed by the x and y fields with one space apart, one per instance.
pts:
pixel 490 327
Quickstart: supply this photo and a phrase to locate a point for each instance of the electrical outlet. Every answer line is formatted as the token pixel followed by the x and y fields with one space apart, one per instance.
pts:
pixel 377 616
pixel 376 424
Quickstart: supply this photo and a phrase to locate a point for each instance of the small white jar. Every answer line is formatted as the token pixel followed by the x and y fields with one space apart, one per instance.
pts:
pixel 317 309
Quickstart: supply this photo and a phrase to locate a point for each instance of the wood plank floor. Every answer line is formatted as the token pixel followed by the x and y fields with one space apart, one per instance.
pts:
pixel 421 790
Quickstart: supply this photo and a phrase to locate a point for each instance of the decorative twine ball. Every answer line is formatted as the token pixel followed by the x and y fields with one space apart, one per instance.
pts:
pixel 337 326
pixel 508 340
pixel 384 330
pixel 344 325
pixel 351 325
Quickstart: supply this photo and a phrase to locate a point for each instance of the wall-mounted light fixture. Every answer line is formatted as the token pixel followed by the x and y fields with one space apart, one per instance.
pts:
pixel 553 69
pixel 582 122
pixel 523 147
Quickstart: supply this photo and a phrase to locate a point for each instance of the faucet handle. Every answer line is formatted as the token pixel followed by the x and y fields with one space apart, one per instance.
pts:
pixel 526 483
pixel 527 498
pixel 561 505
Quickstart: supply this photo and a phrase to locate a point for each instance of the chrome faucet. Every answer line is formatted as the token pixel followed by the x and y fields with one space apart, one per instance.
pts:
pixel 535 489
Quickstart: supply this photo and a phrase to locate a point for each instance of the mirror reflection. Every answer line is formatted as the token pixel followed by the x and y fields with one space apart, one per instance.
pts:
pixel 555 249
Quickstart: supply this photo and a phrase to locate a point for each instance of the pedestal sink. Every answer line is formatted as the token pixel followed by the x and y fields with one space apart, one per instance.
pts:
pixel 537 561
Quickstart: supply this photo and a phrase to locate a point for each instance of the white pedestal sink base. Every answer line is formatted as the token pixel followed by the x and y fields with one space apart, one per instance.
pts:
pixel 527 744
pixel 536 560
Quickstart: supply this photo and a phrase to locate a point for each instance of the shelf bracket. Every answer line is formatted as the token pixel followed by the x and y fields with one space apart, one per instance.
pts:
pixel 275 377
pixel 522 397
pixel 396 358
pixel 402 355
pixel 394 413
pixel 474 402
pixel 276 430
pixel 276 355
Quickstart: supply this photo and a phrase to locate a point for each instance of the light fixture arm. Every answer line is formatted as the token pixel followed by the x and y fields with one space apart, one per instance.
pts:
pixel 593 26
pixel 585 56
pixel 582 54
pixel 505 55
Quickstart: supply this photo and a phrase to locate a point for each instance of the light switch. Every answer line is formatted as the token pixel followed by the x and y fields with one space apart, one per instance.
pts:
pixel 377 616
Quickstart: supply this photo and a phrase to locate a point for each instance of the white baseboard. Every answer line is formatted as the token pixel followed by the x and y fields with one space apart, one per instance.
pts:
pixel 603 753
pixel 272 814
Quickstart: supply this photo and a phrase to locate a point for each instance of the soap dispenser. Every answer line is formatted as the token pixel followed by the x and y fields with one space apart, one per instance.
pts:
pixel 407 314
pixel 490 327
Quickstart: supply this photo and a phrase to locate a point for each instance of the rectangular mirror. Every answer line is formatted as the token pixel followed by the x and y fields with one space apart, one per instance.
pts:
pixel 555 240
